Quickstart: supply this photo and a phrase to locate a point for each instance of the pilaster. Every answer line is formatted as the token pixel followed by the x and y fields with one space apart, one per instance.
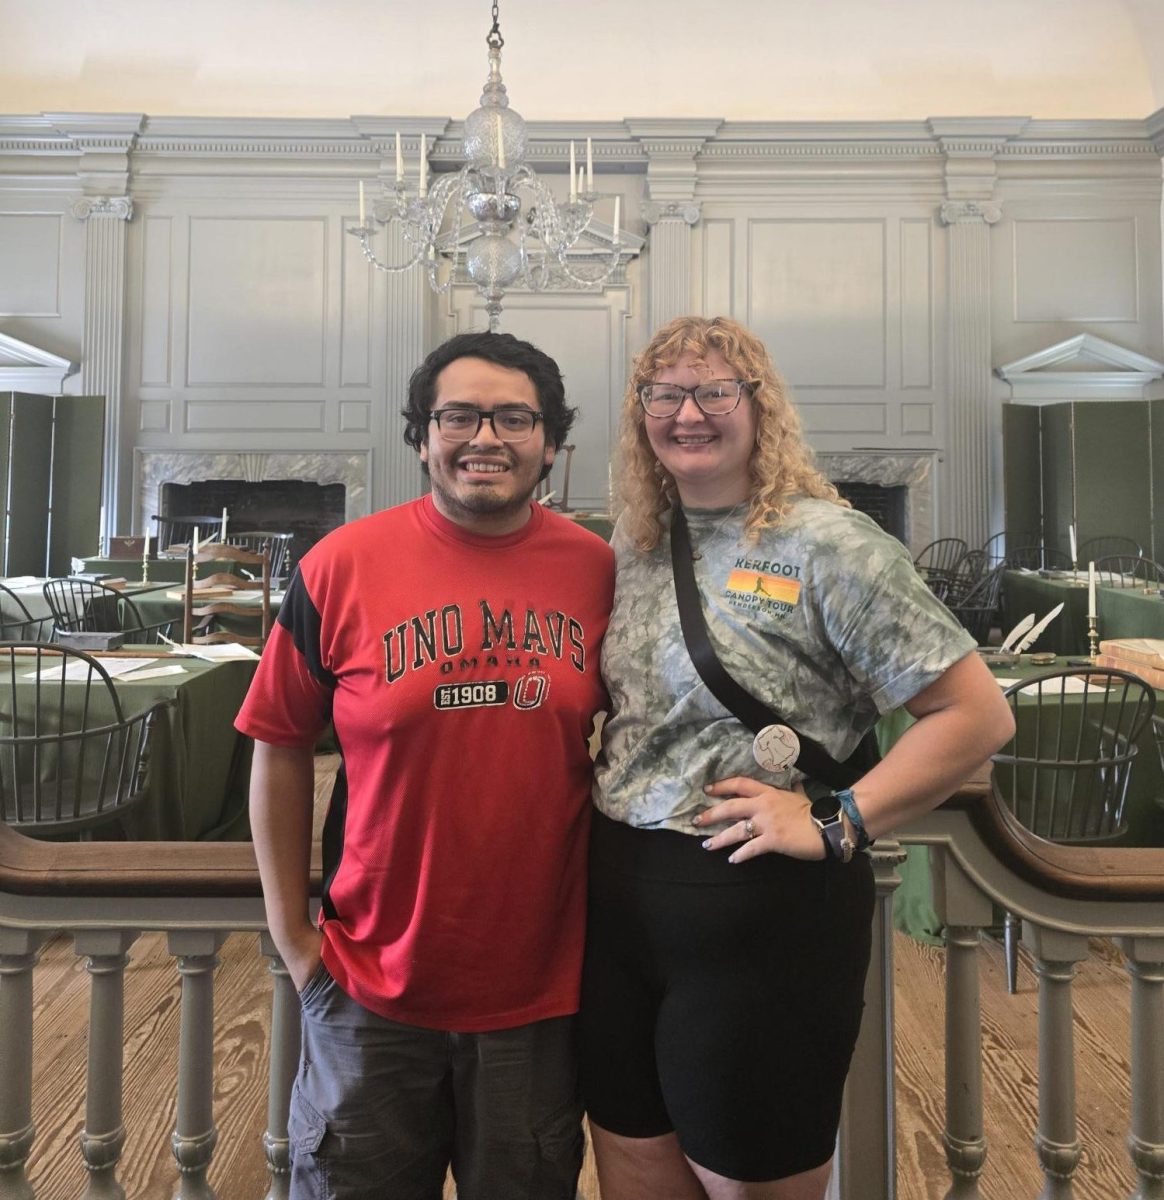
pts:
pixel 106 142
pixel 970 146
pixel 968 475
pixel 671 208
pixel 106 218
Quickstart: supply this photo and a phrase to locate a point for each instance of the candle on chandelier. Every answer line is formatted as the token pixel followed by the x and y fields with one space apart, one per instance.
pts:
pixel 399 160
pixel 224 525
pixel 362 202
pixel 423 167
pixel 589 166
pixel 617 204
pixel 573 179
pixel 581 181
pixel 1071 539
pixel 194 542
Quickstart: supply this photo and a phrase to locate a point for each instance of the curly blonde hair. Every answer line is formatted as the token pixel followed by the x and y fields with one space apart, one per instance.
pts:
pixel 781 464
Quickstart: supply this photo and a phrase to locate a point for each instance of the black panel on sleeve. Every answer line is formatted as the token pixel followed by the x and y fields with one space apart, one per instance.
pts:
pixel 299 616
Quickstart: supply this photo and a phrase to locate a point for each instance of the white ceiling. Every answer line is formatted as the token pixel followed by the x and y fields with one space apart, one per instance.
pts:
pixel 600 60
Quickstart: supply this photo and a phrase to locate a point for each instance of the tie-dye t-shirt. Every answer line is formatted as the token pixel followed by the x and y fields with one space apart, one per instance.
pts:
pixel 824 618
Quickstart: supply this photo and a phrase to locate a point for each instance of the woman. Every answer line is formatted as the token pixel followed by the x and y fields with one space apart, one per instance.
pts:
pixel 726 954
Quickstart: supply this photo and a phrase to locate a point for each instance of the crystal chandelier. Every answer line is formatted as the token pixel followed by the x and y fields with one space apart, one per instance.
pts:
pixel 497 246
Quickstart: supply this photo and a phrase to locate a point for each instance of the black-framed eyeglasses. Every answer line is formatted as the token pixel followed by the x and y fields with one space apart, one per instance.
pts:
pixel 715 398
pixel 463 424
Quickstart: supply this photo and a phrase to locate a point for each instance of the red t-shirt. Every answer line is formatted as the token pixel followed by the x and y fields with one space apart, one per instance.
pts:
pixel 462 676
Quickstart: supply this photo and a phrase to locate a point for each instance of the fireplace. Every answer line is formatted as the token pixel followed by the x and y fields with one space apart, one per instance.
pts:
pixel 895 487
pixel 886 505
pixel 303 508
pixel 305 494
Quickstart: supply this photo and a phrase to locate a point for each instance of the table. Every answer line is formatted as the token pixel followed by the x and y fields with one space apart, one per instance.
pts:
pixel 198 769
pixel 1027 591
pixel 913 911
pixel 1129 612
pixel 157 606
pixel 162 570
pixel 1120 612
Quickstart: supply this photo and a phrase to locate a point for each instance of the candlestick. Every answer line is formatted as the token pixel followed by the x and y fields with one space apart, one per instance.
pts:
pixel 1091 590
pixel 399 160
pixel 423 167
pixel 223 534
pixel 145 550
pixel 145 561
pixel 573 179
pixel 1092 638
pixel 589 166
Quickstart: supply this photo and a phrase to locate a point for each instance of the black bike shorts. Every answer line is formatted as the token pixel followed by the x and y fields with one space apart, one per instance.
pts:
pixel 720 1000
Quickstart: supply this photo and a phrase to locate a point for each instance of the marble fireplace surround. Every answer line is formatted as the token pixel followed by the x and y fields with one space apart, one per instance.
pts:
pixel 155 467
pixel 913 469
pixel 889 468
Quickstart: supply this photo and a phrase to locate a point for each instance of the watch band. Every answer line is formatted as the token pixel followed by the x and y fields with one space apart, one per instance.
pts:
pixel 837 843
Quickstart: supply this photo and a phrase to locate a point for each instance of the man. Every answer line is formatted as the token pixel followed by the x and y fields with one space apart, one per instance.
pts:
pixel 454 642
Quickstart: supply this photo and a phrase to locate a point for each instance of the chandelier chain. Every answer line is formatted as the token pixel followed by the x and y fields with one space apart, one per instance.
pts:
pixel 493 38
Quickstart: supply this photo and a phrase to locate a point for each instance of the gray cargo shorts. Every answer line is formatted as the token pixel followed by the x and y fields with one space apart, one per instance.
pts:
pixel 380 1110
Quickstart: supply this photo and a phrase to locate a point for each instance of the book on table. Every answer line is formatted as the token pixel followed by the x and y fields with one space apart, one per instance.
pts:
pixel 1149 651
pixel 204 593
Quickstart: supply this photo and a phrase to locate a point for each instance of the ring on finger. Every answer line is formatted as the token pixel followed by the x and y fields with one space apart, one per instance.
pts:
pixel 750 828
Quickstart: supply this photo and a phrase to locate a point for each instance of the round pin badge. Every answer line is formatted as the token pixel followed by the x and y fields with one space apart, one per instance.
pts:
pixel 775 747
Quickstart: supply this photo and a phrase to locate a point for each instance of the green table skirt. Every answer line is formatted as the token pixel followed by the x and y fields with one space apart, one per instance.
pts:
pixel 198 765
pixel 913 910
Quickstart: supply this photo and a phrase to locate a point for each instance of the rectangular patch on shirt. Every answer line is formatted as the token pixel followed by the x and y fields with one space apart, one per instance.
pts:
pixel 767 587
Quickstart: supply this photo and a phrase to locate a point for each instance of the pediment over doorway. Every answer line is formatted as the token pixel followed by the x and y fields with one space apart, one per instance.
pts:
pixel 1084 367
pixel 27 368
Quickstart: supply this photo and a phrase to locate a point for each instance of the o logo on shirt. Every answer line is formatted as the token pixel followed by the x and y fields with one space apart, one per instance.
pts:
pixel 531 689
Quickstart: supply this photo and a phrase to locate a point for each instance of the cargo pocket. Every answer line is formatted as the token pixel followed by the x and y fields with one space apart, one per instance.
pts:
pixel 560 1149
pixel 305 1131
pixel 334 1159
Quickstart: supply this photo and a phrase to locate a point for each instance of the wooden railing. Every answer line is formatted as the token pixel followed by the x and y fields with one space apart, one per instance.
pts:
pixel 105 894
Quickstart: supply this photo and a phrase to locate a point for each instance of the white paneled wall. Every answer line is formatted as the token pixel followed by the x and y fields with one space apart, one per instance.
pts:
pixel 889 267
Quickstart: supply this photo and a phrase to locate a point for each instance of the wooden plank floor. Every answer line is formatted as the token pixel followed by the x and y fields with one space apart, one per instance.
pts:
pixel 242 1006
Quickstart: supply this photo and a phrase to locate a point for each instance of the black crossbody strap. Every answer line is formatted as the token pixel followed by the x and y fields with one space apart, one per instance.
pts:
pixel 814 760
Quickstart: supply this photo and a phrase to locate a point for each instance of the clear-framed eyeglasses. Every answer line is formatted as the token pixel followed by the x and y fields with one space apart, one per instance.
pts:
pixel 463 424
pixel 715 398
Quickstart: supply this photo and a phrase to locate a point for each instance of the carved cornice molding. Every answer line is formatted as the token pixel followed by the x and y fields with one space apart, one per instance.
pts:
pixel 970 212
pixel 654 211
pixel 120 207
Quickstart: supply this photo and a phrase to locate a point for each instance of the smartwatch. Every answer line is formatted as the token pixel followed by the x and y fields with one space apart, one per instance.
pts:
pixel 826 816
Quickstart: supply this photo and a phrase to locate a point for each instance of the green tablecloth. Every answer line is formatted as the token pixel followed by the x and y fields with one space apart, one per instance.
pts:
pixel 599 523
pixel 913 910
pixel 1025 592
pixel 1129 612
pixel 198 768
pixel 1121 612
pixel 162 570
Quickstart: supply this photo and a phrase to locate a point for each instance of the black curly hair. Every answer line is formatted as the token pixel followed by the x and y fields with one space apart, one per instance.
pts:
pixel 504 350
